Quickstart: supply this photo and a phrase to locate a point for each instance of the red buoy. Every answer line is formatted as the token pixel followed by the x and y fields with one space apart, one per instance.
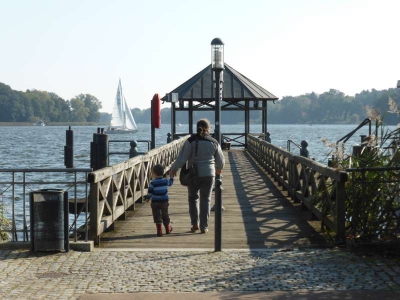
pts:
pixel 156 111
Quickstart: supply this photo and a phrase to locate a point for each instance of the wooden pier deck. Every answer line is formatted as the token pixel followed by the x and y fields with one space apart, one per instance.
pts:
pixel 258 215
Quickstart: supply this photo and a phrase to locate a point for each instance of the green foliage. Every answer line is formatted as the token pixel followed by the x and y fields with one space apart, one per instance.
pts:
pixel 34 105
pixel 331 107
pixel 373 194
pixel 373 189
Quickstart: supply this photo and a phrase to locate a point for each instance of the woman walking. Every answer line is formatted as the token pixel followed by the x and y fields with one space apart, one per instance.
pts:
pixel 203 151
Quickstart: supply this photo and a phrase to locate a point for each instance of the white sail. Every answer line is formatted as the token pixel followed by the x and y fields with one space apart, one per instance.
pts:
pixel 122 120
pixel 129 120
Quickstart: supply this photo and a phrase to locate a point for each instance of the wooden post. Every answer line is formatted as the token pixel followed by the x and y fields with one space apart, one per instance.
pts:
pixel 141 180
pixel 290 180
pixel 173 120
pixel 246 122
pixel 191 117
pixel 99 151
pixel 296 182
pixel 94 213
pixel 69 149
pixel 264 117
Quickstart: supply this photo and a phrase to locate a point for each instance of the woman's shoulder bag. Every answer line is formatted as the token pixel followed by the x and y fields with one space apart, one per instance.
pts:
pixel 188 176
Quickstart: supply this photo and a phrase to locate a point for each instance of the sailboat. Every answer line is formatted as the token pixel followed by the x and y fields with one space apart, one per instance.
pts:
pixel 39 123
pixel 121 119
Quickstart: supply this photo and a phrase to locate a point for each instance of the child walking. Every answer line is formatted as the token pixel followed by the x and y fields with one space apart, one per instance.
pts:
pixel 158 193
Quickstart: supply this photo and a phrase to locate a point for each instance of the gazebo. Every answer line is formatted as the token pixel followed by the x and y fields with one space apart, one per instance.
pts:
pixel 239 94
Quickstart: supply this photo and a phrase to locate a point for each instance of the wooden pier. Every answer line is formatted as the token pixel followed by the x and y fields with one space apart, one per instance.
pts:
pixel 258 214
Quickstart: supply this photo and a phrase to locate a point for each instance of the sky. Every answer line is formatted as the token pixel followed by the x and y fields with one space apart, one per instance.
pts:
pixel 289 47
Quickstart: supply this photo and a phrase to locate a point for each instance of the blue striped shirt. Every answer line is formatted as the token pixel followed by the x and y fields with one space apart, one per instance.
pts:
pixel 158 189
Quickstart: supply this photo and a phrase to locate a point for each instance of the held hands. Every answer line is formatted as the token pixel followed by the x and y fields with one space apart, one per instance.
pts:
pixel 218 172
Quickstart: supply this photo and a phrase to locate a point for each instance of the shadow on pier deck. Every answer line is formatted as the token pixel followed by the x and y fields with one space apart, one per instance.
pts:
pixel 258 215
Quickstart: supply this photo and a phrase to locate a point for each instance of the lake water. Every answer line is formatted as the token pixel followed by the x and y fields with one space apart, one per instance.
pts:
pixel 43 147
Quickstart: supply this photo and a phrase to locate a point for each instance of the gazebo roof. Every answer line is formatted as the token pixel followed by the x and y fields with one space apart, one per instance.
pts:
pixel 236 87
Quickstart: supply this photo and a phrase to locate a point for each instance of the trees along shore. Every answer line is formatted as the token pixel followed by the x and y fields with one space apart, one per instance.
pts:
pixel 331 107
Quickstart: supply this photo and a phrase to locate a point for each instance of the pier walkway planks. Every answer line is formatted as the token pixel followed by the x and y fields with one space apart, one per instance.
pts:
pixel 258 215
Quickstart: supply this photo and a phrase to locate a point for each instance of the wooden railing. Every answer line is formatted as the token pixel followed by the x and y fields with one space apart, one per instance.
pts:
pixel 115 189
pixel 319 188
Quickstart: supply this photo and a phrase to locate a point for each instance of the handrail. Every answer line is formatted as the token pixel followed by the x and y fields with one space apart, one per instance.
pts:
pixel 288 145
pixel 17 188
pixel 128 141
pixel 115 189
pixel 351 133
pixel 306 181
pixel 366 169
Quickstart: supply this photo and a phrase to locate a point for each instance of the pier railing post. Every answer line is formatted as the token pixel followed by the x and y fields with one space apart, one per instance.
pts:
pixel 218 213
pixel 94 213
pixel 291 179
pixel 69 149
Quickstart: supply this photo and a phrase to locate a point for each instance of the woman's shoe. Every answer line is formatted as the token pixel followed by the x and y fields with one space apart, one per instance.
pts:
pixel 194 228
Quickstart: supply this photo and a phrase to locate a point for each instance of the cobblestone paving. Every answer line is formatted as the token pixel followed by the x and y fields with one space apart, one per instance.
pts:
pixel 25 275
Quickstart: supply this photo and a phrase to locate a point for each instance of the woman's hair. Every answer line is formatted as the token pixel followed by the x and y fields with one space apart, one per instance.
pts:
pixel 203 127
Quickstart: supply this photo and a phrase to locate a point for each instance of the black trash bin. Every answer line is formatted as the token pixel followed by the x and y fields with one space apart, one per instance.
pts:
pixel 49 220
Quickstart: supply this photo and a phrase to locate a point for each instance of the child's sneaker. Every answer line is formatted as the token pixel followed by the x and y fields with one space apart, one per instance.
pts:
pixel 159 229
pixel 168 229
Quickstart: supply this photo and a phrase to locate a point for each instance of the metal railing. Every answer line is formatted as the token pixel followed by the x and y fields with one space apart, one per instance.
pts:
pixel 291 142
pixel 236 139
pixel 16 186
pixel 351 133
pixel 128 141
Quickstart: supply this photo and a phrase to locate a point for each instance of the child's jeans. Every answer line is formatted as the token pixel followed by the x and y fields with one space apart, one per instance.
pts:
pixel 160 212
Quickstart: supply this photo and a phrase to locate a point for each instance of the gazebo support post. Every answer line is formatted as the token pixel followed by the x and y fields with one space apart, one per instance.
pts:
pixel 264 117
pixel 173 120
pixel 246 121
pixel 191 117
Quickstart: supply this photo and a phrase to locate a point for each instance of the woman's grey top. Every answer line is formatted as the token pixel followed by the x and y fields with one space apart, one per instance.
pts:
pixel 209 155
